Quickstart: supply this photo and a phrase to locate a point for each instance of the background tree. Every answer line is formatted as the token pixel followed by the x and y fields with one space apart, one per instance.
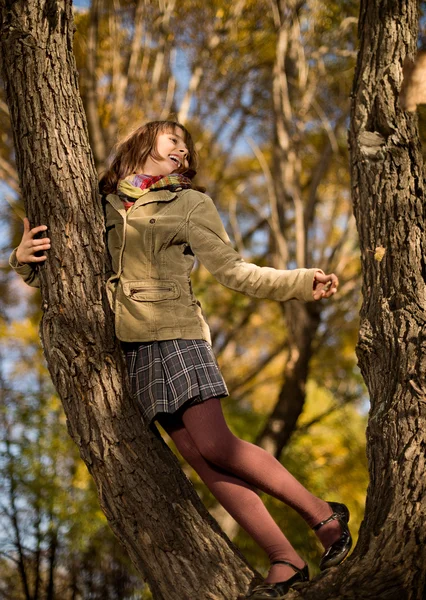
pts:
pixel 50 517
pixel 308 228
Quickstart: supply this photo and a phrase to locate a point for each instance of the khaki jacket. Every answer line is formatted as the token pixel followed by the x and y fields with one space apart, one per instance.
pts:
pixel 153 248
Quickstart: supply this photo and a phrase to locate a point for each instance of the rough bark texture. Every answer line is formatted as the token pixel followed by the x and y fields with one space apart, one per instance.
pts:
pixel 389 206
pixel 150 505
pixel 389 562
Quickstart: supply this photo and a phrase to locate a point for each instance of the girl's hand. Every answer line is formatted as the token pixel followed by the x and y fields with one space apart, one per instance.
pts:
pixel 324 285
pixel 28 246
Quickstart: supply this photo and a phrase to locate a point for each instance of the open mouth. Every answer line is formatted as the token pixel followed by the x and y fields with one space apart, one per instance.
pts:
pixel 175 160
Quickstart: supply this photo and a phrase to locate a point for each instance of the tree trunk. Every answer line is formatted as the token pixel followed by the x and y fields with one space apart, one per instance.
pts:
pixel 302 321
pixel 150 505
pixel 389 206
pixel 52 552
pixel 389 562
pixel 17 542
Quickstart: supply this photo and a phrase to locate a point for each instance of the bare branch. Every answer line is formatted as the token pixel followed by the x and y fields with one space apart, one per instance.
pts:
pixel 234 386
pixel 9 175
pixel 300 229
pixel 194 82
pixel 166 7
pixel 273 221
pixel 233 220
pixel 3 107
pixel 136 45
pixel 170 94
pixel 245 317
pixel 119 81
pixel 198 68
pixel 317 177
pixel 327 126
pixel 302 429
pixel 18 209
pixel 91 103
pixel 9 557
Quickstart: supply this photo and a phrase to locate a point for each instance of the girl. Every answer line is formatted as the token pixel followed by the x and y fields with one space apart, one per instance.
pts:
pixel 157 223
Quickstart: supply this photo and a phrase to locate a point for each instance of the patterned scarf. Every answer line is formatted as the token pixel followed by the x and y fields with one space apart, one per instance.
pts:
pixel 134 186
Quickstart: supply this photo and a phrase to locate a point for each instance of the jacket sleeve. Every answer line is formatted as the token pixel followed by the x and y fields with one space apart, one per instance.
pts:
pixel 211 245
pixel 28 272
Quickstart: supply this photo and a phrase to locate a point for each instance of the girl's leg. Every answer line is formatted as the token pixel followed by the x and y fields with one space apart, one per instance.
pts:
pixel 206 425
pixel 240 500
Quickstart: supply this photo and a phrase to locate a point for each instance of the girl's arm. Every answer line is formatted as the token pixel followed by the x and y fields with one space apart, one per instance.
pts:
pixel 210 243
pixel 23 259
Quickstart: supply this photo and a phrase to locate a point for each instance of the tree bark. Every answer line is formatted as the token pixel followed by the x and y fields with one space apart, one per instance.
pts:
pixel 150 505
pixel 389 561
pixel 389 206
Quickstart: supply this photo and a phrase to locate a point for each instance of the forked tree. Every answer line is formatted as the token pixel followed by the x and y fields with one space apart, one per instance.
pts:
pixel 149 503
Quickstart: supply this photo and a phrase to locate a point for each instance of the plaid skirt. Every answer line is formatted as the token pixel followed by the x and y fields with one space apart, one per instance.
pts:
pixel 166 375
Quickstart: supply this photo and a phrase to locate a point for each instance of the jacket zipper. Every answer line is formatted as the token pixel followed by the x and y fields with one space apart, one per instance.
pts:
pixel 150 289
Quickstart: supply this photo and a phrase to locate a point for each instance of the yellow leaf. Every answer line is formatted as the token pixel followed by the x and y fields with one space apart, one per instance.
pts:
pixel 379 253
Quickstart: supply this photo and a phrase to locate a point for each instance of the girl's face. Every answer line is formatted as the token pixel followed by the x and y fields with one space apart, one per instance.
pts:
pixel 171 148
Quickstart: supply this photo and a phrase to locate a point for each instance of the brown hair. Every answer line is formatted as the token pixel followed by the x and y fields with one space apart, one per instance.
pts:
pixel 131 153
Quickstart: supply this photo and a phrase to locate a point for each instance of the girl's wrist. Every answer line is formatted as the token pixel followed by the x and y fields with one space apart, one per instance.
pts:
pixel 18 258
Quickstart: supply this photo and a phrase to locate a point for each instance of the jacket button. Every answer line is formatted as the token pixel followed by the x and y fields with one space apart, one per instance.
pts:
pixel 152 220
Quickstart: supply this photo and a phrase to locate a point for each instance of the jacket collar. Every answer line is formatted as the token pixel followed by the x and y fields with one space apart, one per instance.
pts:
pixel 154 196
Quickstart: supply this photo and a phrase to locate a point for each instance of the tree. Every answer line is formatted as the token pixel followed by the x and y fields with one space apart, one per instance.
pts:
pixel 110 31
pixel 389 204
pixel 133 469
pixel 303 117
pixel 87 368
pixel 50 521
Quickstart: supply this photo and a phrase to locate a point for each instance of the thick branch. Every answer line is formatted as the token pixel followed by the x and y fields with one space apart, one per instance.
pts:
pixel 149 504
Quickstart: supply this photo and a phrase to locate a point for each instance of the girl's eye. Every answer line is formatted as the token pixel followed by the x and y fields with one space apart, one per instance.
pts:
pixel 174 140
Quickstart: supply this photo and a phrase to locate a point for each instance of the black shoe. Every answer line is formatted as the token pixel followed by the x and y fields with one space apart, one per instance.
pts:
pixel 339 549
pixel 277 591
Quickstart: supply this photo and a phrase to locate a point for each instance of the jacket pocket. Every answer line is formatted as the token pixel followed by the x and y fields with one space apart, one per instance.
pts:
pixel 151 290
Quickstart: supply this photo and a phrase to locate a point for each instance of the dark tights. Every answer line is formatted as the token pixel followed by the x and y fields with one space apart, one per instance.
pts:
pixel 232 468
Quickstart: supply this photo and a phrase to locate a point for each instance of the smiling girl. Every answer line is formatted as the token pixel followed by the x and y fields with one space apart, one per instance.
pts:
pixel 157 224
